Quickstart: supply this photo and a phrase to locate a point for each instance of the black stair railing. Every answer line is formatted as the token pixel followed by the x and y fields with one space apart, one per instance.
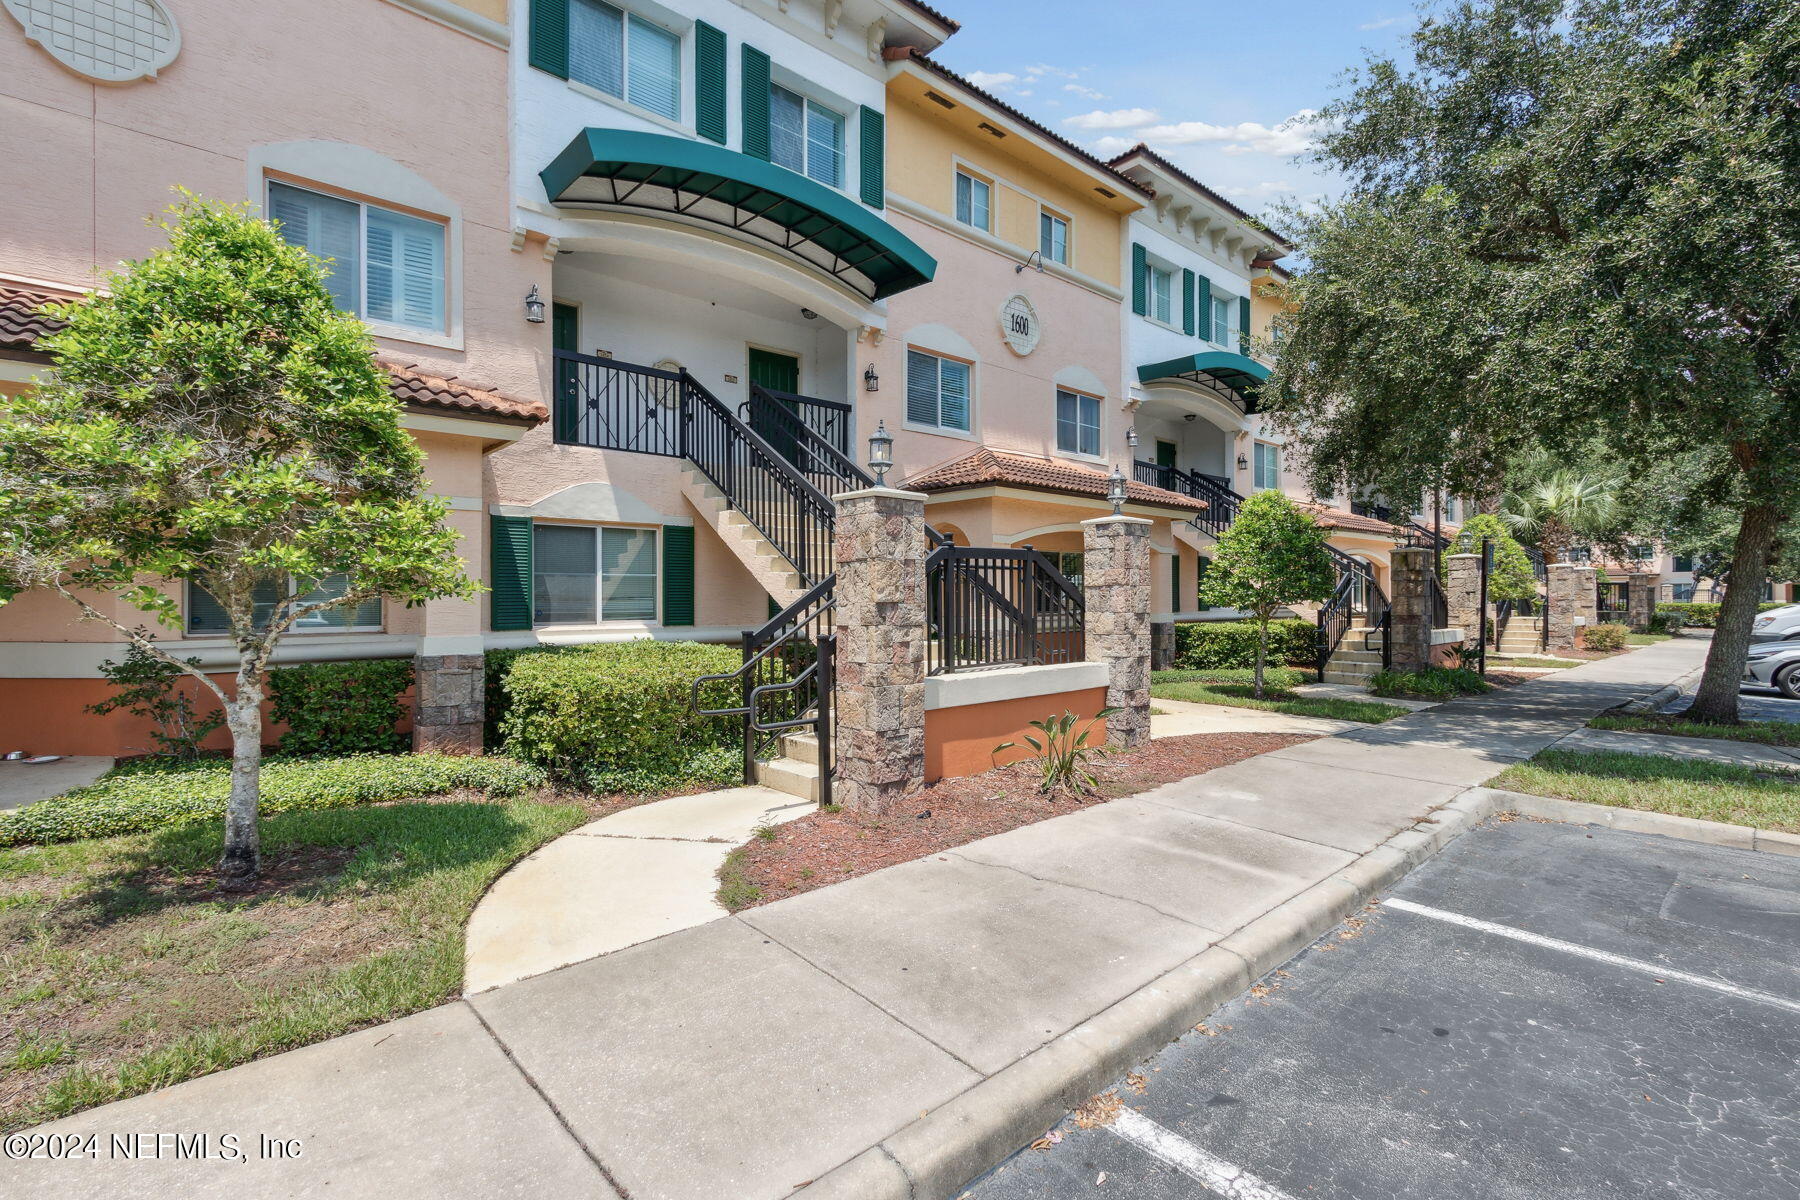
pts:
pixel 993 607
pixel 1221 501
pixel 824 464
pixel 827 420
pixel 1356 595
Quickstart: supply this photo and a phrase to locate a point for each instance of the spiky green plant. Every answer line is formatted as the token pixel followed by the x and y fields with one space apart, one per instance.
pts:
pixel 1064 753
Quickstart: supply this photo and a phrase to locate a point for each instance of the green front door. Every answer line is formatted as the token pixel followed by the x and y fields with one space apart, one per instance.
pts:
pixel 1165 453
pixel 779 373
pixel 564 331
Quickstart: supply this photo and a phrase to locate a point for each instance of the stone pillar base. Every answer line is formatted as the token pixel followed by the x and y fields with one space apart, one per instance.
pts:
pixel 1409 627
pixel 1116 584
pixel 1162 645
pixel 450 706
pixel 1570 604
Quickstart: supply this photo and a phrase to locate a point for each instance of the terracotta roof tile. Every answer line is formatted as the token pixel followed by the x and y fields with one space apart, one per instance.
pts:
pixel 21 325
pixel 986 468
pixel 1337 518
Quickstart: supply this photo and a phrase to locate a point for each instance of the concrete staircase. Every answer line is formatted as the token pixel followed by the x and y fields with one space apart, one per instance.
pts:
pixel 765 563
pixel 1521 637
pixel 796 772
pixel 1357 658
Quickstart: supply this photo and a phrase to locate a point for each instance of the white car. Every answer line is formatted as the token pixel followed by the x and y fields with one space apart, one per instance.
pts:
pixel 1777 625
pixel 1774 665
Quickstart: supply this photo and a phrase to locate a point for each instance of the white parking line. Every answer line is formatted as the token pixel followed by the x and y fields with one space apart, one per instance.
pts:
pixel 1225 1179
pixel 1617 960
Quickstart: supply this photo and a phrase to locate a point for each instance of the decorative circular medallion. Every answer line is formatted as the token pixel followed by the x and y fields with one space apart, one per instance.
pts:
pixel 1019 325
pixel 108 41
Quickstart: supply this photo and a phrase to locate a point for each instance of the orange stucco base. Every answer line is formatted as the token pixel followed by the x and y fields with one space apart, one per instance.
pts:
pixel 49 716
pixel 960 741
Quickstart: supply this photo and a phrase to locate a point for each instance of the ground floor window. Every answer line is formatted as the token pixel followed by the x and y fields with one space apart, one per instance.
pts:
pixel 582 575
pixel 206 616
pixel 1068 562
pixel 1077 423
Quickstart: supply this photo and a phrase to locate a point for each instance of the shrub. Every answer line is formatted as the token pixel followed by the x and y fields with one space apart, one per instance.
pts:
pixel 158 691
pixel 1433 683
pixel 1670 623
pixel 1280 678
pixel 1605 637
pixel 1703 615
pixel 1209 645
pixel 1064 757
pixel 341 707
pixel 150 794
pixel 586 712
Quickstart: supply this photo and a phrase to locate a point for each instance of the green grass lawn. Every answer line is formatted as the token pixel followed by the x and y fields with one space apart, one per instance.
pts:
pixel 122 969
pixel 1275 699
pixel 1529 660
pixel 1682 787
pixel 1767 733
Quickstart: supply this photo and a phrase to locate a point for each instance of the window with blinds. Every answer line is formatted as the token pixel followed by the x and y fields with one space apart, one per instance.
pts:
pixel 805 136
pixel 625 55
pixel 384 266
pixel 1077 423
pixel 973 201
pixel 1268 465
pixel 937 391
pixel 206 616
pixel 582 575
pixel 1053 237
pixel 1221 320
pixel 1162 294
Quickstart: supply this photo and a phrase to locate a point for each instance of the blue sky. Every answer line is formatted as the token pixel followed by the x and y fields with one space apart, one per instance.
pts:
pixel 1209 85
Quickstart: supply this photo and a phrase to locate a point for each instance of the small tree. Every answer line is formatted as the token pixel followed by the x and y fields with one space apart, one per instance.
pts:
pixel 1273 555
pixel 215 420
pixel 1510 577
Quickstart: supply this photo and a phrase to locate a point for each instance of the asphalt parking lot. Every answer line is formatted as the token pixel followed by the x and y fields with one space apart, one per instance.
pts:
pixel 1754 704
pixel 1545 1010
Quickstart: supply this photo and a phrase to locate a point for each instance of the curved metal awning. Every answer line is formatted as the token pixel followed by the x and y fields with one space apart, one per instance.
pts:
pixel 625 170
pixel 1233 377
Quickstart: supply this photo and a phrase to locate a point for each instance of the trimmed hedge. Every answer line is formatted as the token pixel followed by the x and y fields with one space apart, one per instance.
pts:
pixel 1705 615
pixel 152 793
pixel 1282 678
pixel 1433 683
pixel 599 713
pixel 1211 645
pixel 1603 638
pixel 348 707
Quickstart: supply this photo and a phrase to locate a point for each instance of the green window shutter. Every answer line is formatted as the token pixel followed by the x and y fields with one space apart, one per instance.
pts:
pixel 1175 582
pixel 756 103
pixel 510 572
pixel 873 127
pixel 709 82
pixel 549 37
pixel 1244 320
pixel 1140 280
pixel 1187 302
pixel 1203 305
pixel 678 575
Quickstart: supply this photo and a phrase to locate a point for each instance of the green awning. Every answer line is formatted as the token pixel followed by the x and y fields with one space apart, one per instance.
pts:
pixel 624 170
pixel 1234 377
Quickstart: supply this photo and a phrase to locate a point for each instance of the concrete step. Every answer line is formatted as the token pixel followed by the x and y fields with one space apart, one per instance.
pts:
pixel 1343 655
pixel 1346 678
pixel 801 747
pixel 790 775
pixel 759 556
pixel 1353 670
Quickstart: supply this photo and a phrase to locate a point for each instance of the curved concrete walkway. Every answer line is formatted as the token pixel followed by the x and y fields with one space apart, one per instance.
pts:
pixel 621 880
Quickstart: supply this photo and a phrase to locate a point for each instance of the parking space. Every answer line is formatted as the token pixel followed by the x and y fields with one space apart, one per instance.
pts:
pixel 1754 704
pixel 1546 1010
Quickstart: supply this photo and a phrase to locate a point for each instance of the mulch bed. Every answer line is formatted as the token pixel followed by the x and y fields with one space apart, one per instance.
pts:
pixel 829 847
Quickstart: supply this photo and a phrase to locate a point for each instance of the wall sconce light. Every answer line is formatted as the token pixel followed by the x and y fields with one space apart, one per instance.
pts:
pixel 1019 268
pixel 1243 463
pixel 534 306
pixel 871 381
pixel 1115 489
pixel 1131 438
pixel 881 453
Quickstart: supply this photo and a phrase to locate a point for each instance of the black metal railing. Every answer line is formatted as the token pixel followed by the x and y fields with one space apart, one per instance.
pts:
pixel 994 607
pixel 614 405
pixel 1221 502
pixel 1414 534
pixel 1357 596
pixel 827 420
pixel 826 465
pixel 1439 601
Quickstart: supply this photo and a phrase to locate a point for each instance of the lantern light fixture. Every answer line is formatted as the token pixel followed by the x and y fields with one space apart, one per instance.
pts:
pixel 871 380
pixel 534 306
pixel 1115 490
pixel 881 453
pixel 1131 437
pixel 1243 464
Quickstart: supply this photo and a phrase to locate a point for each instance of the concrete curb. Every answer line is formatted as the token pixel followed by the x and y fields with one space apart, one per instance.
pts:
pixel 1687 829
pixel 1662 695
pixel 936 1156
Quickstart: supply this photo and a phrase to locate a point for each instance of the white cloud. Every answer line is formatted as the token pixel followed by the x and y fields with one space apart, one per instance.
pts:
pixel 1382 23
pixel 1247 137
pixel 1118 118
pixel 1086 93
pixel 993 81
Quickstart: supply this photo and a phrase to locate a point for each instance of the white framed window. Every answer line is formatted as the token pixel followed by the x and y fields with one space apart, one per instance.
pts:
pixel 1162 294
pixel 974 201
pixel 1221 319
pixel 1267 462
pixel 586 574
pixel 387 267
pixel 937 391
pixel 1077 422
pixel 1452 510
pixel 206 617
pixel 1069 564
pixel 625 55
pixel 1053 237
pixel 805 136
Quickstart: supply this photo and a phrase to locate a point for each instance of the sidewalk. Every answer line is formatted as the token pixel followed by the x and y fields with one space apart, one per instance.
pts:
pixel 891 1036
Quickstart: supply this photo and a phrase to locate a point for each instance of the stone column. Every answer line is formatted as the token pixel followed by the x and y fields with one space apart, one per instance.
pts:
pixel 1462 588
pixel 881 635
pixel 1116 585
pixel 1409 625
pixel 450 693
pixel 1641 600
pixel 1571 604
pixel 1162 645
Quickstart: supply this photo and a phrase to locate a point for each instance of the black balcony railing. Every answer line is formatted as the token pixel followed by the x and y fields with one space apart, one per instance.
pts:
pixel 994 607
pixel 1221 502
pixel 616 405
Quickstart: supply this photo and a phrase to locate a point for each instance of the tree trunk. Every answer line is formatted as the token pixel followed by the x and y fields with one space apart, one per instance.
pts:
pixel 1262 645
pixel 242 859
pixel 1716 703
